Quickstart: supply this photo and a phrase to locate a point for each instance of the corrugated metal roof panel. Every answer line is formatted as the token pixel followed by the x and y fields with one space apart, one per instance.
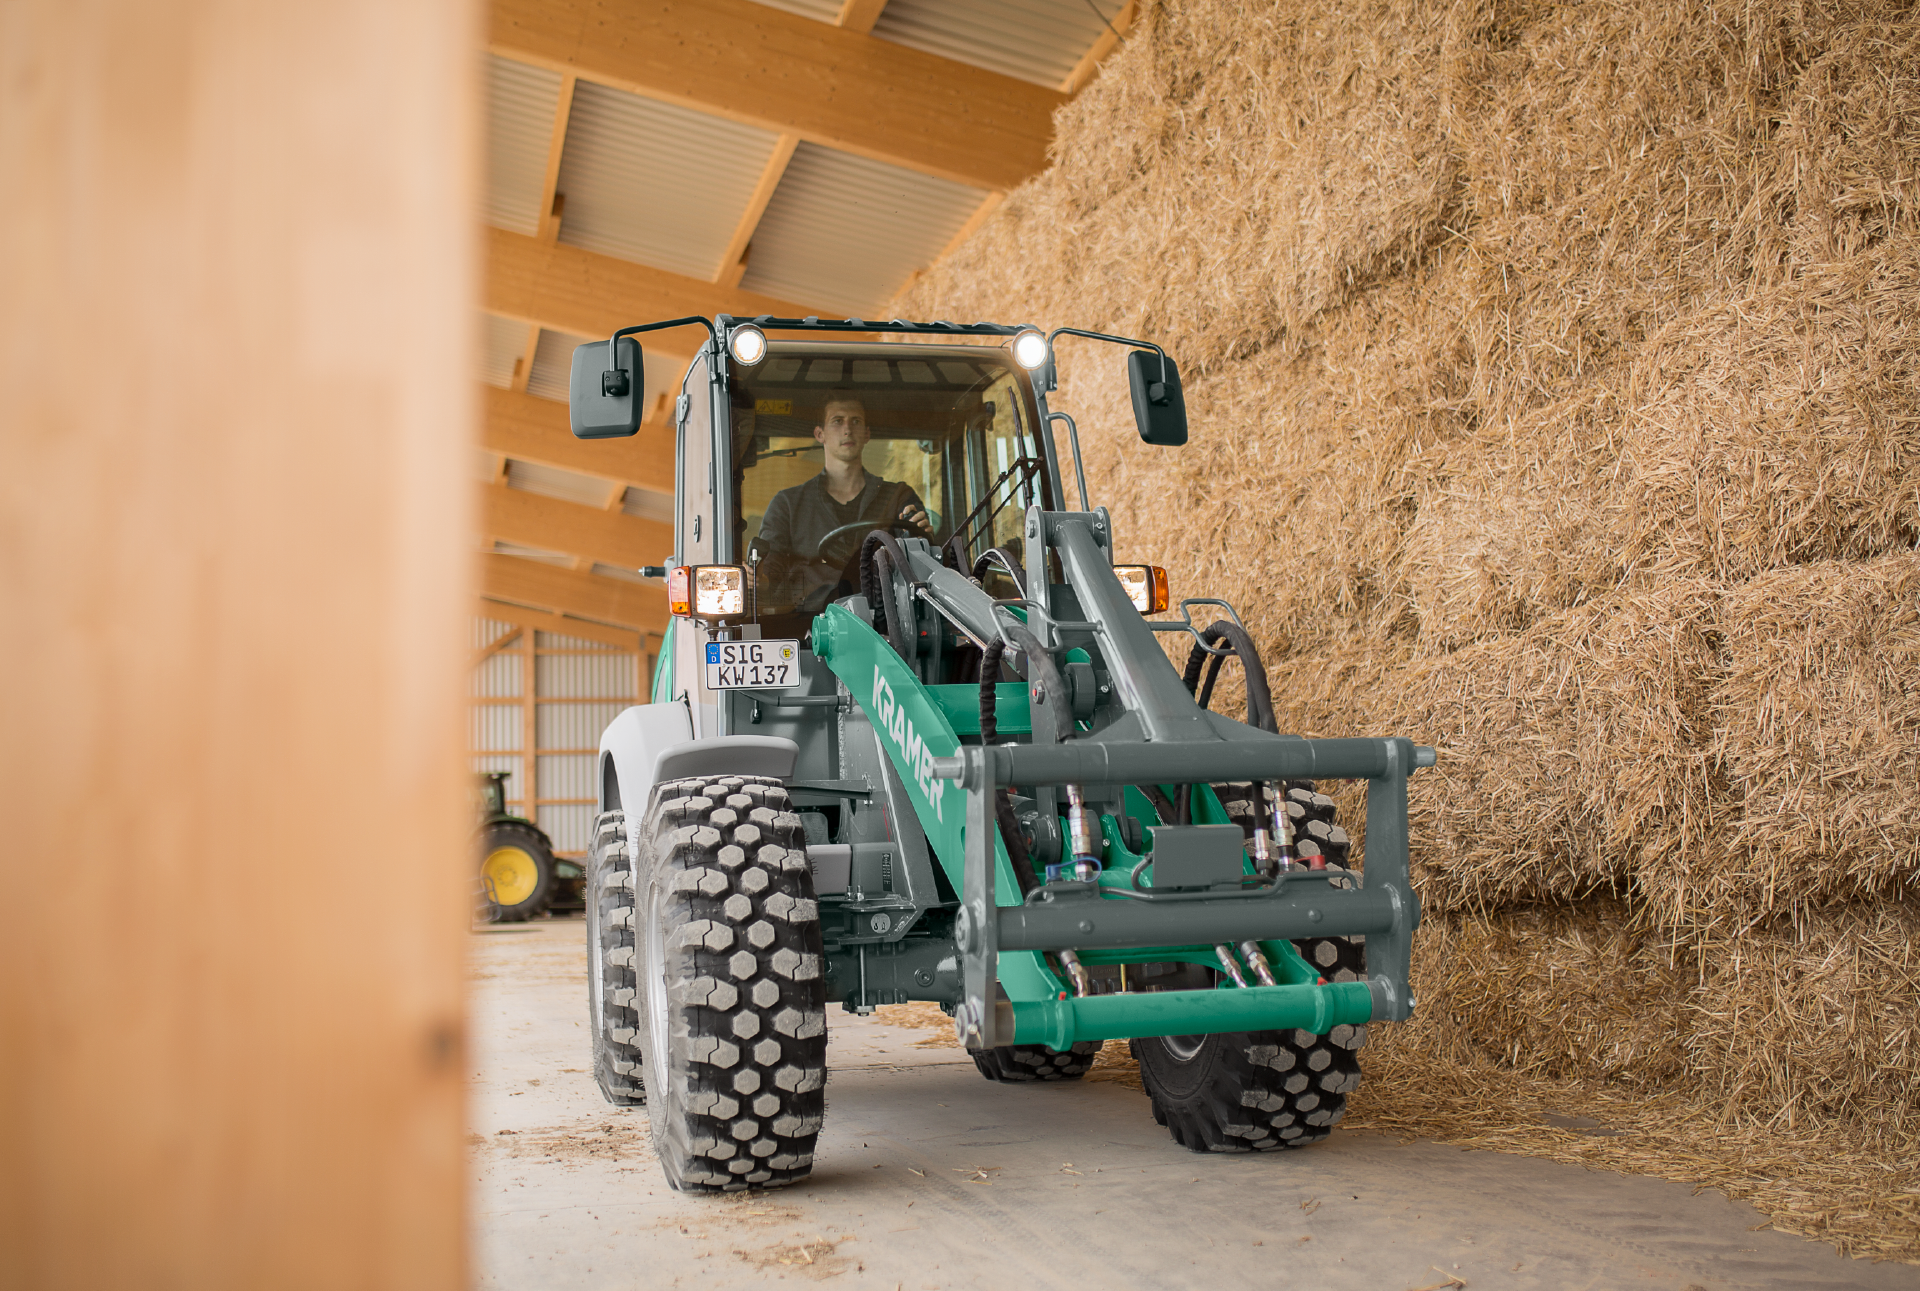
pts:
pixel 842 232
pixel 552 482
pixel 653 183
pixel 521 102
pixel 553 367
pixel 1033 40
pixel 532 553
pixel 502 341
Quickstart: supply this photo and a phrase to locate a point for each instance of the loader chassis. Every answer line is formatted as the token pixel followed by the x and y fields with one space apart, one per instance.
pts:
pixel 904 781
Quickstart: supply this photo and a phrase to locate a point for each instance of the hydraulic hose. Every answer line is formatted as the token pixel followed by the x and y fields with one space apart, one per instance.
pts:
pixel 1010 834
pixel 881 555
pixel 1008 562
pixel 1259 696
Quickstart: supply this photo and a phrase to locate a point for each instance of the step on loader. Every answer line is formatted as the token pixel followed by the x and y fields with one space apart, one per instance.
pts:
pixel 913 736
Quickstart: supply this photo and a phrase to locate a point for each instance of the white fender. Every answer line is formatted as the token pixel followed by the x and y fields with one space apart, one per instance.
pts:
pixel 650 742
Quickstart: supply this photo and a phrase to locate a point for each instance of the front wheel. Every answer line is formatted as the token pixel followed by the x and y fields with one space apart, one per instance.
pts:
pixel 733 1001
pixel 1250 1091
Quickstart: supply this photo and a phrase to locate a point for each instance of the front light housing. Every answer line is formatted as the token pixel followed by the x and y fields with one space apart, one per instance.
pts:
pixel 1146 586
pixel 708 591
pixel 1030 349
pixel 747 344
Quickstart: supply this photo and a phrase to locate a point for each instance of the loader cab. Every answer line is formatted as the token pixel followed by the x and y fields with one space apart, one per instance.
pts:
pixel 952 431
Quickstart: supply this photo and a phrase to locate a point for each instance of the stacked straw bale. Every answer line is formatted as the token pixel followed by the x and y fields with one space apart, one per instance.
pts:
pixel 1554 375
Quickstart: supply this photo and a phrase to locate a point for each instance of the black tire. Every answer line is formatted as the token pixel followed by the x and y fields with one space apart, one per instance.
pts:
pixel 516 870
pixel 612 1009
pixel 1012 1064
pixel 733 1001
pixel 1256 1091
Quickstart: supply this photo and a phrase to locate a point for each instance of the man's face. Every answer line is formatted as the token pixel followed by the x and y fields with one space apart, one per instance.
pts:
pixel 843 430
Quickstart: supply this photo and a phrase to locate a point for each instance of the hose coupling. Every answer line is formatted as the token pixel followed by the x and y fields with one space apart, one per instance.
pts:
pixel 1230 964
pixel 1257 961
pixel 1076 973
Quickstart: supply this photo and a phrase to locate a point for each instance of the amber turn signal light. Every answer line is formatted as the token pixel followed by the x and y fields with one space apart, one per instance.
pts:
pixel 1146 586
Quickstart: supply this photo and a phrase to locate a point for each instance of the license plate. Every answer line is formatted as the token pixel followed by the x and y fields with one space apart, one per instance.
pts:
pixel 752 665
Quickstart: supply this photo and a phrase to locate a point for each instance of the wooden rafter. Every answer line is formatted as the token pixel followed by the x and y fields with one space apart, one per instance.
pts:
pixel 586 294
pixel 859 15
pixel 570 591
pixel 530 520
pixel 548 621
pixel 530 429
pixel 793 75
pixel 494 647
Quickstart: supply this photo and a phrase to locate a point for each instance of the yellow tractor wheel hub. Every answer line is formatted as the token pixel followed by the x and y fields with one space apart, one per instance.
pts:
pixel 512 873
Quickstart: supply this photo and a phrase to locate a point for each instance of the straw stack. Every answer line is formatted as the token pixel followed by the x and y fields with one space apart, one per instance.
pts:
pixel 1554 375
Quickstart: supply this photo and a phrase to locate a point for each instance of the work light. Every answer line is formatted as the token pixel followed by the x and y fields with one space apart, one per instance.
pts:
pixel 747 344
pixel 1146 586
pixel 1030 349
pixel 708 591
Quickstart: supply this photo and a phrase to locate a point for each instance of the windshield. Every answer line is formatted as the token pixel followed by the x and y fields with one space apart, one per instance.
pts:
pixel 831 442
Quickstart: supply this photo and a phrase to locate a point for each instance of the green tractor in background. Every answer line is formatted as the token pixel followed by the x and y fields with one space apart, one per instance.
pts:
pixel 520 877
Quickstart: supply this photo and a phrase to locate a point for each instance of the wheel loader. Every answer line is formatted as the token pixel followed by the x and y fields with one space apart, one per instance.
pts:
pixel 928 747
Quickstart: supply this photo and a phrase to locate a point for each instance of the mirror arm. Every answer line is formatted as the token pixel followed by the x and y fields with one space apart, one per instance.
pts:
pixel 1119 340
pixel 618 374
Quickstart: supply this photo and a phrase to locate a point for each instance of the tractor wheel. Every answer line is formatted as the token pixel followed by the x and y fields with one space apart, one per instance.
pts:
pixel 611 1004
pixel 516 870
pixel 1017 1063
pixel 1252 1091
pixel 733 1001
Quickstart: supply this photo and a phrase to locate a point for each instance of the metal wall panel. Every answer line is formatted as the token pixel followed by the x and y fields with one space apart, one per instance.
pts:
pixel 584 676
pixel 487 631
pixel 1032 40
pixel 570 826
pixel 521 103
pixel 567 775
pixel 494 728
pixel 654 183
pixel 572 726
pixel 498 677
pixel 842 232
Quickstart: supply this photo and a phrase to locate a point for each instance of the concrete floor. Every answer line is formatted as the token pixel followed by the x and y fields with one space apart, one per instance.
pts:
pixel 930 1177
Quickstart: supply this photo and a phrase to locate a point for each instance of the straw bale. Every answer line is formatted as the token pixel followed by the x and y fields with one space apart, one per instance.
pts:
pixel 1817 725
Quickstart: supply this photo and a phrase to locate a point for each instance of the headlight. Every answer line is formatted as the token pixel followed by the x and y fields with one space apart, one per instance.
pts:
pixel 747 344
pixel 1030 349
pixel 1146 586
pixel 719 592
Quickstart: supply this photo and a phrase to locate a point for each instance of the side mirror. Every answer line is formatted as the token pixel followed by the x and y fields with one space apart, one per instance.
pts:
pixel 1159 410
pixel 604 399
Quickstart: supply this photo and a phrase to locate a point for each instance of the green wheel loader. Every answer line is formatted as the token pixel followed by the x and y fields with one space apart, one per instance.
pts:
pixel 912 737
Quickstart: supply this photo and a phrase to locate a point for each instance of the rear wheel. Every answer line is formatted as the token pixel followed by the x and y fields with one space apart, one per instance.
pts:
pixel 733 1002
pixel 611 1002
pixel 516 870
pixel 1018 1063
pixel 1253 1091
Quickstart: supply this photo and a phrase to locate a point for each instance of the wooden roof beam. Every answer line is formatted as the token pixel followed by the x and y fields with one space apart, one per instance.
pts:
pixel 792 75
pixel 586 294
pixel 569 591
pixel 531 429
pixel 610 537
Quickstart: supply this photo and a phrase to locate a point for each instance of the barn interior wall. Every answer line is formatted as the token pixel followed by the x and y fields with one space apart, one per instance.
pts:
pixel 1555 398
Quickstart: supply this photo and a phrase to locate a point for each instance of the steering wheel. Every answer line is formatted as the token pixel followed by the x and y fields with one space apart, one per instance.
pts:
pixel 914 531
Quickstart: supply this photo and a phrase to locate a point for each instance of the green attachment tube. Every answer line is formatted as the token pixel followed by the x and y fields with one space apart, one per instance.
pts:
pixel 1319 1009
